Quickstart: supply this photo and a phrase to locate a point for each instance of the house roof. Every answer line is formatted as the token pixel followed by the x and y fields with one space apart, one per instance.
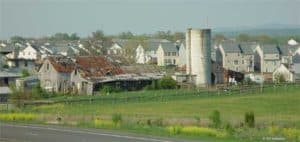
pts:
pixel 95 67
pixel 169 47
pixel 247 48
pixel 296 58
pixel 150 46
pixel 140 69
pixel 231 47
pixel 62 64
pixel 270 49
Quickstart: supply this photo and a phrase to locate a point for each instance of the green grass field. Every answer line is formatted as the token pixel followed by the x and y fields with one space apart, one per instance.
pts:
pixel 280 106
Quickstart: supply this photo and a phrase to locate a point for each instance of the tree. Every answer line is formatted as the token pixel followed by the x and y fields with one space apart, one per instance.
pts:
pixel 178 36
pixel 74 36
pixel 16 39
pixel 243 38
pixel 98 35
pixel 126 35
pixel 219 38
pixel 167 82
pixel 163 35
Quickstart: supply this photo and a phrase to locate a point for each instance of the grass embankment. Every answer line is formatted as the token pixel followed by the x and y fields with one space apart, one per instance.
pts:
pixel 276 114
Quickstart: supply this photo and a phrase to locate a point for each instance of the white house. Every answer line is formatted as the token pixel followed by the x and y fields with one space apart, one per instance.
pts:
pixel 115 49
pixel 140 55
pixel 182 55
pixel 29 53
pixel 285 72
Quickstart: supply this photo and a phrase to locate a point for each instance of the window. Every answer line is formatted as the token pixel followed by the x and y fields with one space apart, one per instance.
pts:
pixel 274 62
pixel 25 63
pixel 75 72
pixel 242 61
pixel 236 62
pixel 47 66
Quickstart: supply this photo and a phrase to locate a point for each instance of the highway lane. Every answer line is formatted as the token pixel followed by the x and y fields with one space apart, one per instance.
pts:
pixel 10 132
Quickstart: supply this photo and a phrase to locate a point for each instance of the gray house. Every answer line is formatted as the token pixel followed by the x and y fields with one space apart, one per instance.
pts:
pixel 54 74
pixel 167 54
pixel 235 57
pixel 267 58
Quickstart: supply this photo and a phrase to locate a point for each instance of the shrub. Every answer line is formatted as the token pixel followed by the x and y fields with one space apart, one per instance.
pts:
pixel 193 130
pixel 117 118
pixel 274 130
pixel 174 130
pixel 215 118
pixel 228 127
pixel 106 89
pixel 17 116
pixel 5 66
pixel 249 119
pixel 279 78
pixel 25 73
pixel 291 133
pixel 102 123
pixel 167 82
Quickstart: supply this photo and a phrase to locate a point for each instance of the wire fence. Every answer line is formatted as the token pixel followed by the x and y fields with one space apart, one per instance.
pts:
pixel 221 91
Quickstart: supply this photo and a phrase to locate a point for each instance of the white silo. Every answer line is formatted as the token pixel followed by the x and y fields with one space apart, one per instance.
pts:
pixel 198 42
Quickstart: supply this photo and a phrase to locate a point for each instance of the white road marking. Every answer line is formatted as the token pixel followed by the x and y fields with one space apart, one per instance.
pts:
pixel 87 132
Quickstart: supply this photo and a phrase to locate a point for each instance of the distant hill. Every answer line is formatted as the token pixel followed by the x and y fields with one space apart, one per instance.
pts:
pixel 271 30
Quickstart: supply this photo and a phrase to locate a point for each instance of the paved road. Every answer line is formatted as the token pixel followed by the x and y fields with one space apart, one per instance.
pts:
pixel 44 133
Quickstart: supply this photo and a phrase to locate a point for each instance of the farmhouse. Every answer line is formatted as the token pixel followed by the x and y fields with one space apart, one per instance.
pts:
pixel 55 72
pixel 92 73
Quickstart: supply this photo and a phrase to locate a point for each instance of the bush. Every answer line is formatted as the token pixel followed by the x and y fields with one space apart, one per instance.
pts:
pixel 167 82
pixel 25 73
pixel 193 130
pixel 117 118
pixel 215 118
pixel 228 127
pixel 103 123
pixel 249 119
pixel 291 133
pixel 17 116
pixel 5 66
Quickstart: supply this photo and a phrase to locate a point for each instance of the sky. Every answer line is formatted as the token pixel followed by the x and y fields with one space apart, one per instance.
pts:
pixel 36 18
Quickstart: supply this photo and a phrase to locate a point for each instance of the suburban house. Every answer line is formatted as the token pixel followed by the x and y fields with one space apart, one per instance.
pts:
pixel 267 58
pixel 182 55
pixel 54 74
pixel 283 71
pixel 235 57
pixel 140 57
pixel 167 54
pixel 24 57
pixel 117 48
pixel 296 67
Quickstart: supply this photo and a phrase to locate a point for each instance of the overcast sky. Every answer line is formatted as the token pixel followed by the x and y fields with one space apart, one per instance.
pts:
pixel 44 17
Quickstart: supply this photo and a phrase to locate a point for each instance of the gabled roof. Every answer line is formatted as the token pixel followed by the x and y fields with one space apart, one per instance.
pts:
pixel 270 49
pixel 247 48
pixel 169 47
pixel 140 69
pixel 150 46
pixel 61 64
pixel 296 58
pixel 95 67
pixel 231 47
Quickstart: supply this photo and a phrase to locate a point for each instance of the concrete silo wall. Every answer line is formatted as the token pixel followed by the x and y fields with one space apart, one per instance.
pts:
pixel 199 58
